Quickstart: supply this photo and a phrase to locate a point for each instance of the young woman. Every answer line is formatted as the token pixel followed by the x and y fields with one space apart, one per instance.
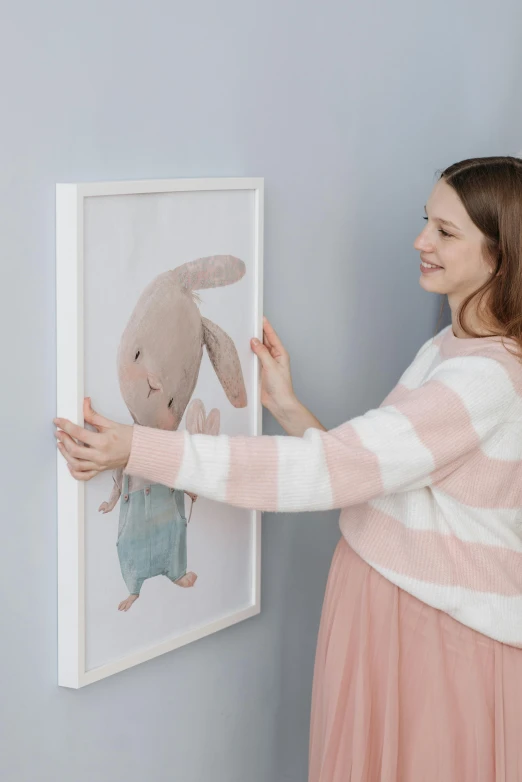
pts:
pixel 418 673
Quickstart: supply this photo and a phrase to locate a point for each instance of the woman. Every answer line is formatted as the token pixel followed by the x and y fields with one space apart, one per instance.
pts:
pixel 418 672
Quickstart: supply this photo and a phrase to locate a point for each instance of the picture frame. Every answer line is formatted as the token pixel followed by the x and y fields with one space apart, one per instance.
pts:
pixel 75 202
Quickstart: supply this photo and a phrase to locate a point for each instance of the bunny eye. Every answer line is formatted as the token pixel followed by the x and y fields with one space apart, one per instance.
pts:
pixel 136 357
pixel 170 402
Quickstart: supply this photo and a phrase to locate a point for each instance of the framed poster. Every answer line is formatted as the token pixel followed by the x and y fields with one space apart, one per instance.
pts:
pixel 159 291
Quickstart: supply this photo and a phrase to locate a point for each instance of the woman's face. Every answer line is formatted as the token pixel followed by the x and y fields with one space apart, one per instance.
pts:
pixel 452 242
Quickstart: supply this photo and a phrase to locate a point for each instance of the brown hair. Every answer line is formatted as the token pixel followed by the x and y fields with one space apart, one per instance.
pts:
pixel 490 189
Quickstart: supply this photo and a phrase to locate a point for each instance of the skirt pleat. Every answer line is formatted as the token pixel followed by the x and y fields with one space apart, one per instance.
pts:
pixel 403 692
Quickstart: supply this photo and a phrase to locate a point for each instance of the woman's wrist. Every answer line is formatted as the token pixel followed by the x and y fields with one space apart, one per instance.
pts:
pixel 294 417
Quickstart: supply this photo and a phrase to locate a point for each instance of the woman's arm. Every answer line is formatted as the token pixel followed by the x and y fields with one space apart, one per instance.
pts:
pixel 402 446
pixel 277 395
pixel 295 419
pixel 420 435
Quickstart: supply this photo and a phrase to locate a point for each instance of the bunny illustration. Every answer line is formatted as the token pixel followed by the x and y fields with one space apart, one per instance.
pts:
pixel 198 423
pixel 159 359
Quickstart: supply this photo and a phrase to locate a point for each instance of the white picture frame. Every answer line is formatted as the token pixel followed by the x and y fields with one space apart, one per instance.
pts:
pixel 70 208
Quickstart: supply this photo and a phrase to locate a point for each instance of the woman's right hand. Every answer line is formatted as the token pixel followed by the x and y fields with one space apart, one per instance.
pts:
pixel 277 392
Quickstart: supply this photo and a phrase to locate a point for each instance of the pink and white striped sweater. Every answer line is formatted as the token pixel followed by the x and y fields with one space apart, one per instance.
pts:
pixel 429 483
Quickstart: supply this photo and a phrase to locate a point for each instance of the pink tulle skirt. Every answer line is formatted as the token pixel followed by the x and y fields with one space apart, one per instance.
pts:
pixel 404 693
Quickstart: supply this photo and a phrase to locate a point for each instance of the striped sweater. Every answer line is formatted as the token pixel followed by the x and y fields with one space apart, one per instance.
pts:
pixel 429 483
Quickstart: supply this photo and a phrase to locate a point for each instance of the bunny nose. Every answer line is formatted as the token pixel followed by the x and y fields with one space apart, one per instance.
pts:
pixel 154 382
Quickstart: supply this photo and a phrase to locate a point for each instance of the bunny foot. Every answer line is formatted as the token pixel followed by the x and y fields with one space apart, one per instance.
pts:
pixel 126 604
pixel 188 580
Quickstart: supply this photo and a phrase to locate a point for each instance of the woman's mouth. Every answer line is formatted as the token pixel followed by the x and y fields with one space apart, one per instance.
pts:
pixel 429 268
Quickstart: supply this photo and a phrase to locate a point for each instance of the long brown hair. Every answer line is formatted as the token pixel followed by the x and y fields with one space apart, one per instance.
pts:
pixel 490 189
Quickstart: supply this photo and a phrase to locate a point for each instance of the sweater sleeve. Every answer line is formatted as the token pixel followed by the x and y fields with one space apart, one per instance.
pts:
pixel 413 437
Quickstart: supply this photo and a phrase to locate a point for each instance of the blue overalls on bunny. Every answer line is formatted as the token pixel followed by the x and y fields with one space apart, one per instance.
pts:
pixel 152 534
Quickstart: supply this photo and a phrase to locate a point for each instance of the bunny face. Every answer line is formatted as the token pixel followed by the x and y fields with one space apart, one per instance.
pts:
pixel 161 348
pixel 160 354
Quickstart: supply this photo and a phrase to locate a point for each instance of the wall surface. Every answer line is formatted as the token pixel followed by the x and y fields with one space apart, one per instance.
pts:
pixel 347 109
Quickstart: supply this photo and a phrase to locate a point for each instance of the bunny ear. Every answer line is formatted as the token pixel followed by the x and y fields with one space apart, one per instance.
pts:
pixel 225 360
pixel 212 422
pixel 211 272
pixel 195 421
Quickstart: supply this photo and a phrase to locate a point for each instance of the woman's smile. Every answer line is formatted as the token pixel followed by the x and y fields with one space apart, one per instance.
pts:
pixel 429 268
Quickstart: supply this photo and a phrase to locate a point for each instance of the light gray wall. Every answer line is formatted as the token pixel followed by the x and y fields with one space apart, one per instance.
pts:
pixel 347 109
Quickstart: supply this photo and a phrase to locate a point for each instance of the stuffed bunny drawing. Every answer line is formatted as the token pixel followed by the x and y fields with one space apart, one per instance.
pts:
pixel 198 423
pixel 159 359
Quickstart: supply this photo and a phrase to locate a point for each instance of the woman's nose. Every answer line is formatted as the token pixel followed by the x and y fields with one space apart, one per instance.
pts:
pixel 421 242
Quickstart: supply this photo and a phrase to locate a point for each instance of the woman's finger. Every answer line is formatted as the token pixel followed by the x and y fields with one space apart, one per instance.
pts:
pixel 92 417
pixel 271 334
pixel 269 345
pixel 266 339
pixel 262 352
pixel 83 476
pixel 272 337
pixel 76 450
pixel 78 432
pixel 78 465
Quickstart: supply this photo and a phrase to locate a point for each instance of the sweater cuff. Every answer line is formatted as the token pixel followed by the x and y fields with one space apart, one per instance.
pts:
pixel 155 455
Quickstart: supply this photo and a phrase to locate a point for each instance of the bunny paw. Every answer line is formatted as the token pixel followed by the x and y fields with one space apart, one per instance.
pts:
pixel 188 580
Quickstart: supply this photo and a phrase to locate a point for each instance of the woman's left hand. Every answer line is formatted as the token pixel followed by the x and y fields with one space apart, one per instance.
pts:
pixel 89 453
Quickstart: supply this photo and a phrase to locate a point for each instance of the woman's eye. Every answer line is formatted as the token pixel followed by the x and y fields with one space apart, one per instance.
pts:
pixel 136 357
pixel 170 402
pixel 444 233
